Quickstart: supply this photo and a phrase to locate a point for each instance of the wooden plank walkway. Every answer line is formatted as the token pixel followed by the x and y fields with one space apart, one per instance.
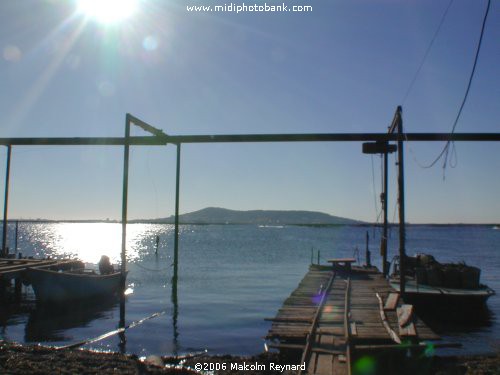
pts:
pixel 13 268
pixel 332 312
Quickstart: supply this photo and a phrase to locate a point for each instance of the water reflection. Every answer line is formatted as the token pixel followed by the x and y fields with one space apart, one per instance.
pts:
pixel 88 241
pixel 459 319
pixel 49 323
pixel 175 314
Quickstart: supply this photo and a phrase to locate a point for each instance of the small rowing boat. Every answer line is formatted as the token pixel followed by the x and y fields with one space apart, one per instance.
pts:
pixel 62 286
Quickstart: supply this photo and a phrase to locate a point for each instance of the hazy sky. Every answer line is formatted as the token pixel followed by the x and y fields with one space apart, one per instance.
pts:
pixel 344 67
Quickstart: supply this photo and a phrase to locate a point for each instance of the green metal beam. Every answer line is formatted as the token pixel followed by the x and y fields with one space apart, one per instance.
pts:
pixel 315 137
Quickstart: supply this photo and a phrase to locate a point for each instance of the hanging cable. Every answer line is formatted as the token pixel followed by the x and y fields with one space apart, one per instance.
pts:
pixel 422 62
pixel 397 197
pixel 446 149
pixel 426 53
pixel 377 213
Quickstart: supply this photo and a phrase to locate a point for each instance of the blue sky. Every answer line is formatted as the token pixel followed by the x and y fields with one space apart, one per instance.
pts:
pixel 344 67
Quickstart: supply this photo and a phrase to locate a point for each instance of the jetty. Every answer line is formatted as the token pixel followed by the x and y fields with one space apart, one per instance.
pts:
pixel 338 313
pixel 14 269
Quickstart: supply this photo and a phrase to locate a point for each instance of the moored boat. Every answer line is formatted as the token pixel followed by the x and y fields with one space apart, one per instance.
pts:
pixel 420 294
pixel 62 286
pixel 429 283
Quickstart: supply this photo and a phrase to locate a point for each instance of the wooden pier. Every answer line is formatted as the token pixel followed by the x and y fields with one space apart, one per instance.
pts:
pixel 336 313
pixel 15 269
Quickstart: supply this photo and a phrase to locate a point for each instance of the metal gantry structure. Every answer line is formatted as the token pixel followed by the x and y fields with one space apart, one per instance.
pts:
pixel 159 138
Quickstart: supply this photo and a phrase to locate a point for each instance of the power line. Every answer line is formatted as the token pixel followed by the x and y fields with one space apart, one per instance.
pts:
pixel 446 149
pixel 378 212
pixel 410 87
pixel 426 53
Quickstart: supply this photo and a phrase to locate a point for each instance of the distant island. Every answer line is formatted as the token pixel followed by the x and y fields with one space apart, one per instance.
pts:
pixel 216 215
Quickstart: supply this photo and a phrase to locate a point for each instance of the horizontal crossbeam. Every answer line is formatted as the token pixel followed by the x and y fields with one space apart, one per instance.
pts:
pixel 250 138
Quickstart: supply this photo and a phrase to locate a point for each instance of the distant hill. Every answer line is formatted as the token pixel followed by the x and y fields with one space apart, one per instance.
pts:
pixel 215 215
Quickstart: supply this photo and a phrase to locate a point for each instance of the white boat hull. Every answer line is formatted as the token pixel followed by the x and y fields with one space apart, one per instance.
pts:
pixel 426 294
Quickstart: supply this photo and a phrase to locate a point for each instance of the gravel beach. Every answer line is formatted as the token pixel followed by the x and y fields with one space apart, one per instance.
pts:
pixel 23 359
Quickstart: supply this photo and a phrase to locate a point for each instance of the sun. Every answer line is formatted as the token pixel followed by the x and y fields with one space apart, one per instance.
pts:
pixel 107 11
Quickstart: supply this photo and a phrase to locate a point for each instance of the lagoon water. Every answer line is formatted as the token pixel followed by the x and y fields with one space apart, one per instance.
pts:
pixel 231 277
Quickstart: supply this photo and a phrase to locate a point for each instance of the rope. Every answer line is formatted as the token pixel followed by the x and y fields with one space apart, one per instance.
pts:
pixel 151 269
pixel 426 53
pixel 446 149
pixel 153 181
pixel 377 211
pixel 397 199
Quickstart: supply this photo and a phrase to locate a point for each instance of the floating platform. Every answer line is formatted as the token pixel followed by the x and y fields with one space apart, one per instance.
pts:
pixel 15 269
pixel 336 313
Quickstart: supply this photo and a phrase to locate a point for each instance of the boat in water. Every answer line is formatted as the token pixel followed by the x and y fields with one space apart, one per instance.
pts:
pixel 429 283
pixel 62 286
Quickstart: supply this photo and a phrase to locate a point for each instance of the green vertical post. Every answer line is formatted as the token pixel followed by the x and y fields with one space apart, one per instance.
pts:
pixel 17 235
pixel 126 151
pixel 384 206
pixel 401 193
pixel 368 257
pixel 6 203
pixel 176 230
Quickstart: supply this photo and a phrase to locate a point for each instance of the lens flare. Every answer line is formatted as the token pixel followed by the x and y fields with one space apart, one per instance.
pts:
pixel 107 11
pixel 365 366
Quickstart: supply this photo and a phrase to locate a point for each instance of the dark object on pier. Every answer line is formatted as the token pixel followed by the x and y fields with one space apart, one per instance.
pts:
pixel 434 276
pixel 469 277
pixel 105 266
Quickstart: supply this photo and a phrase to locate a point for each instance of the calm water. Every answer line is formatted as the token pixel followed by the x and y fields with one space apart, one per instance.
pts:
pixel 230 279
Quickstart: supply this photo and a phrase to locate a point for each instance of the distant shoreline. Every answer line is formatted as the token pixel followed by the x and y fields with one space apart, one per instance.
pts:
pixel 319 225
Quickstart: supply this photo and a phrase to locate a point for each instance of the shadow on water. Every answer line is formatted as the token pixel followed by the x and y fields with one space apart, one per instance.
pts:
pixel 50 322
pixel 175 314
pixel 457 319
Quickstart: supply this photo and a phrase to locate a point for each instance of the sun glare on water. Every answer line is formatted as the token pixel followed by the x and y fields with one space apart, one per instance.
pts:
pixel 107 11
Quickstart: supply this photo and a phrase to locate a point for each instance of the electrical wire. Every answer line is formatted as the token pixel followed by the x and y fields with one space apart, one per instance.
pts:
pixel 446 149
pixel 377 212
pixel 426 53
pixel 397 197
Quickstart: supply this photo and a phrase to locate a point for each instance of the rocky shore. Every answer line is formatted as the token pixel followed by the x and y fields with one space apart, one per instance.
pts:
pixel 22 359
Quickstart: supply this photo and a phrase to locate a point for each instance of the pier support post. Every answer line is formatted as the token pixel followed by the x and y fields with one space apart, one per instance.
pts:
pixel 368 256
pixel 17 289
pixel 17 236
pixel 176 230
pixel 4 250
pixel 124 221
pixel 175 277
pixel 385 194
pixel 398 122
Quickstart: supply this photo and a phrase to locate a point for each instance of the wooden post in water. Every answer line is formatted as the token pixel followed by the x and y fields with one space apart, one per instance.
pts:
pixel 175 277
pixel 124 221
pixel 398 122
pixel 385 196
pixel 367 253
pixel 176 230
pixel 17 233
pixel 6 204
